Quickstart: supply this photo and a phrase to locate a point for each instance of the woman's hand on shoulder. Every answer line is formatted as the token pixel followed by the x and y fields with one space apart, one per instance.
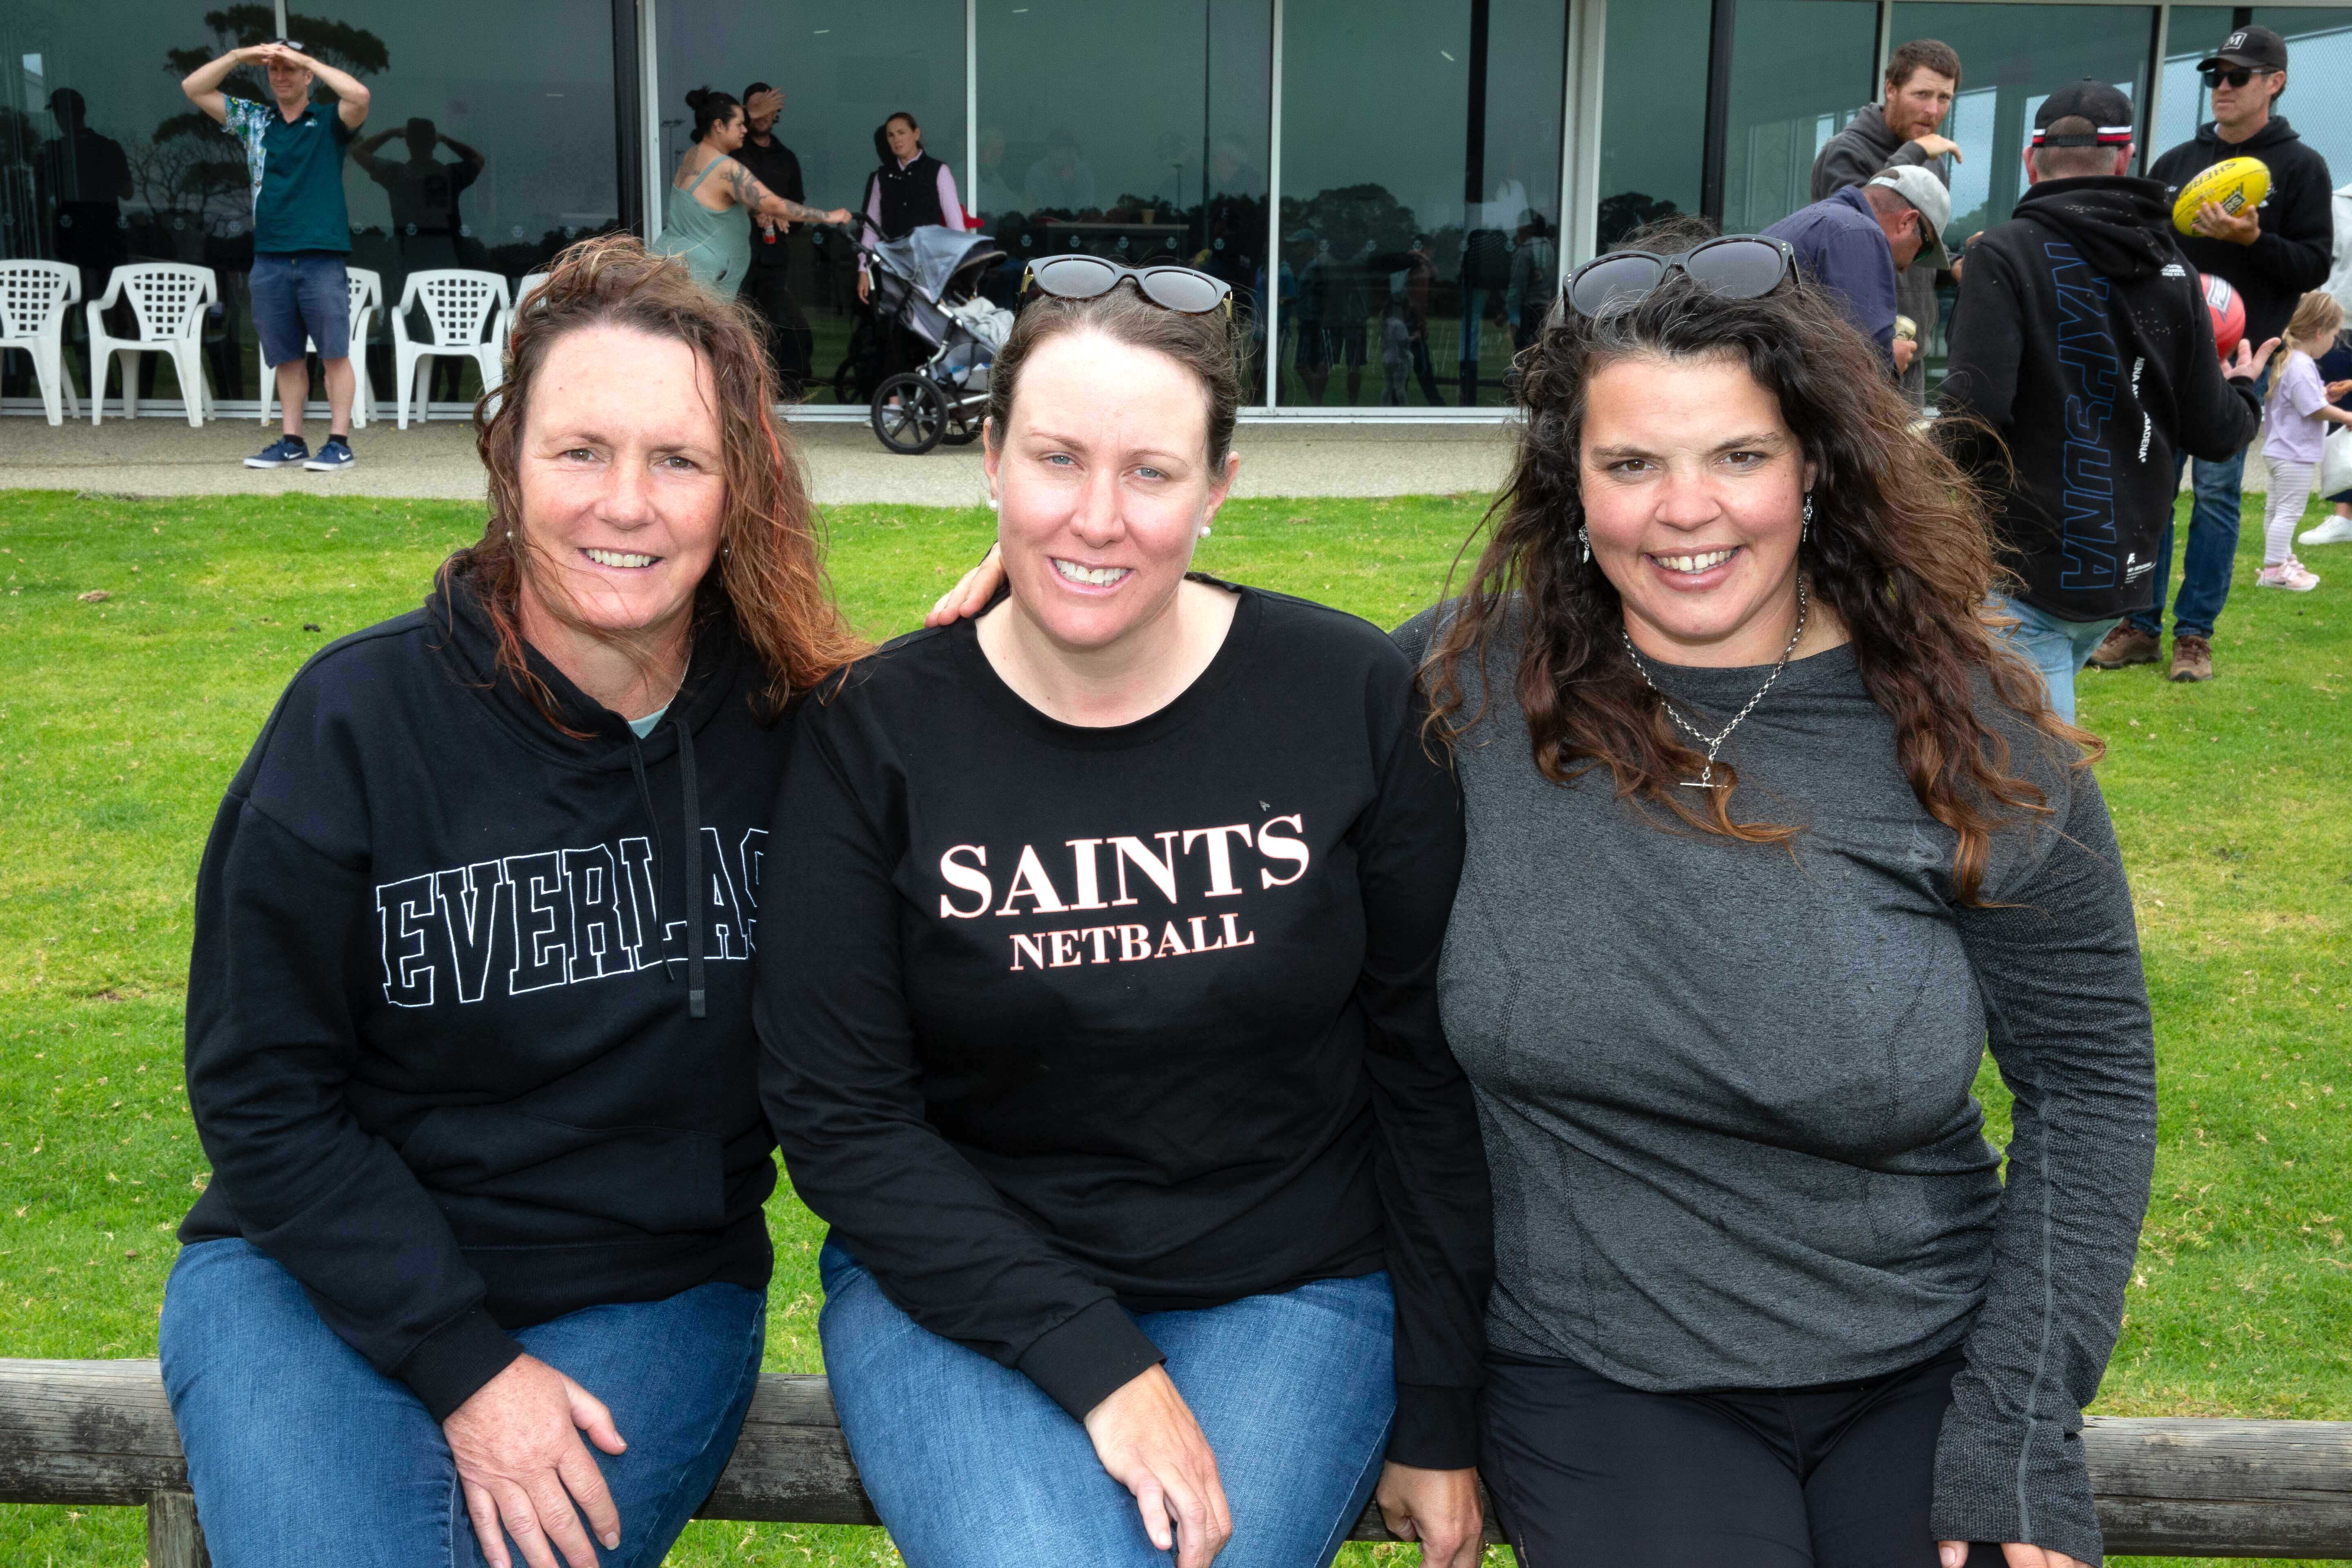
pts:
pixel 2015 1553
pixel 1147 1439
pixel 1440 1509
pixel 521 1466
pixel 971 593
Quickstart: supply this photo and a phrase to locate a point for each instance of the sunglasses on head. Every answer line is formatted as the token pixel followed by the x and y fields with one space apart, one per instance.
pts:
pixel 2236 75
pixel 1177 288
pixel 1738 266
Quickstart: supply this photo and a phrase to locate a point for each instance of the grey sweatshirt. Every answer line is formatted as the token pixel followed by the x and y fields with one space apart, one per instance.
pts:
pixel 1725 1087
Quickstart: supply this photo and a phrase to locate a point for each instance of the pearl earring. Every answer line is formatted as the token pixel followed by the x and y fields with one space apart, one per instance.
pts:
pixel 992 503
pixel 1585 540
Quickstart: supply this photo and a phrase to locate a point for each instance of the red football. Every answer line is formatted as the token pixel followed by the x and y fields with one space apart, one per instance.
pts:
pixel 2229 314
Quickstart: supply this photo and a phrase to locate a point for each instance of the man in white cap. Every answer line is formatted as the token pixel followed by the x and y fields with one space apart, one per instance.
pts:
pixel 1854 242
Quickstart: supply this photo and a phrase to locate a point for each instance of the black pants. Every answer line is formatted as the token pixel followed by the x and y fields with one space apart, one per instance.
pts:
pixel 1584 1470
pixel 790 342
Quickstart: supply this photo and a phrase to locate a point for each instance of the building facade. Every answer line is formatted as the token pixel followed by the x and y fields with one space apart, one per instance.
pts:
pixel 1393 187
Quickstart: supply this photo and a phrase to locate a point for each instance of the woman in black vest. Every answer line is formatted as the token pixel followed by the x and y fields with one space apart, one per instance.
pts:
pixel 910 189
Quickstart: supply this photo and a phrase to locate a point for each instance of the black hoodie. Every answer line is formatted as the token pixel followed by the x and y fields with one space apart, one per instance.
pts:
pixel 2080 336
pixel 2291 256
pixel 444 1046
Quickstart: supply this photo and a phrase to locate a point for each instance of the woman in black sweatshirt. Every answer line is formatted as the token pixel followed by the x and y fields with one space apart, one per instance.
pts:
pixel 469 1040
pixel 1099 1021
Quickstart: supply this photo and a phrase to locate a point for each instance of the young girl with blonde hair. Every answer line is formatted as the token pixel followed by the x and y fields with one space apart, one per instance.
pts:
pixel 2298 425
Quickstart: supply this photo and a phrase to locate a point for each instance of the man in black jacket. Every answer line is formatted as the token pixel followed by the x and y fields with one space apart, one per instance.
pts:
pixel 2271 255
pixel 768 286
pixel 1921 79
pixel 2082 340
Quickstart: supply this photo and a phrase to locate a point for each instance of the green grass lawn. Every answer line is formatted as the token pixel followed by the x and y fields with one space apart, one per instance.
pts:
pixel 122 717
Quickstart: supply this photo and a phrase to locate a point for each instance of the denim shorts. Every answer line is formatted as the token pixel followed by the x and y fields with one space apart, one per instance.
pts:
pixel 302 294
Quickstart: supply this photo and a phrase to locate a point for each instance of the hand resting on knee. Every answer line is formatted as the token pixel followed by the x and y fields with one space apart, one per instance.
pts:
pixel 521 1461
pixel 1146 1438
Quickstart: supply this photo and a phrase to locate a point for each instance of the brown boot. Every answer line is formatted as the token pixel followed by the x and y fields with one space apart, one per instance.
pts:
pixel 2125 645
pixel 2192 659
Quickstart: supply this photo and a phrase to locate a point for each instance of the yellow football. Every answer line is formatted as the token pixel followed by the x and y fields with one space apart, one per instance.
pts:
pixel 2238 184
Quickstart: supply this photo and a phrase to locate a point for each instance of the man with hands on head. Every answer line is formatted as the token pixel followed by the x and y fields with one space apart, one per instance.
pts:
pixel 302 230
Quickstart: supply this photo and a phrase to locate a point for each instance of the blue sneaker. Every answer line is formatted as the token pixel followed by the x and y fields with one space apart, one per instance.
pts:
pixel 332 457
pixel 284 453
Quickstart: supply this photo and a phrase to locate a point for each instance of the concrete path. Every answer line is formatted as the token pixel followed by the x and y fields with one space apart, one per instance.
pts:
pixel 164 457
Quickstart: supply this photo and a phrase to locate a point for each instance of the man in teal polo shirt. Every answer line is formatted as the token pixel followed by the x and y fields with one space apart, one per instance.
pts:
pixel 301 231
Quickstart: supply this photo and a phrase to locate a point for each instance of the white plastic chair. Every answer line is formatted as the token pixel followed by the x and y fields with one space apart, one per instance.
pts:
pixel 367 298
pixel 525 287
pixel 167 301
pixel 33 299
pixel 465 308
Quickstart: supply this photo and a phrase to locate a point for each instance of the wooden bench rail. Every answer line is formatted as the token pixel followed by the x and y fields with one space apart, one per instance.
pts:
pixel 99 1432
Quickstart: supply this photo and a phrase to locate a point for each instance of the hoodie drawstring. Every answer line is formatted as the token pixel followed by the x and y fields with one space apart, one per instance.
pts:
pixel 691 800
pixel 697 895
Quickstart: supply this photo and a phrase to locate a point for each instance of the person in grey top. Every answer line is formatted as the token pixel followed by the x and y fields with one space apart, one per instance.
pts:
pixel 1767 838
pixel 1922 78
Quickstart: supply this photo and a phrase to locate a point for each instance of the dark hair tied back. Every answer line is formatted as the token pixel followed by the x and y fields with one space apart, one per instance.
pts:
pixel 711 106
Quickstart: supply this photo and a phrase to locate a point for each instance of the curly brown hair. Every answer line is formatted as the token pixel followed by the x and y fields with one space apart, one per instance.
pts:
pixel 769 584
pixel 1901 549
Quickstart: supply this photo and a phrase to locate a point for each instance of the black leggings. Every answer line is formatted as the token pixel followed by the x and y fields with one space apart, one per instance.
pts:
pixel 1584 1470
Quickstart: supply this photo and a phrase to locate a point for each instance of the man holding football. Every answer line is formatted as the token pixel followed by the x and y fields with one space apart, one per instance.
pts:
pixel 2271 253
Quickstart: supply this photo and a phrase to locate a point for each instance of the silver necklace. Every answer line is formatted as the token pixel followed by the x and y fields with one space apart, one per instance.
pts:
pixel 1714 743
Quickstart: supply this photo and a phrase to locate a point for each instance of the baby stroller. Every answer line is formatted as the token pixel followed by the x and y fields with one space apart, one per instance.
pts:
pixel 925 282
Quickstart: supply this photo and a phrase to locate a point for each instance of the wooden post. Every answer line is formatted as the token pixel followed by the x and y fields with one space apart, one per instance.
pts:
pixel 175 1540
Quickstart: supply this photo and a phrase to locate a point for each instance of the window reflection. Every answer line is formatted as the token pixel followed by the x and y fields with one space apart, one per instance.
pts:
pixel 1800 69
pixel 2191 33
pixel 2319 61
pixel 1419 176
pixel 1653 114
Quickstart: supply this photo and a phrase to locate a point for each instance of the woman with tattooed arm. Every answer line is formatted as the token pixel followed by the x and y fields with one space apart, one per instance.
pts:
pixel 699 225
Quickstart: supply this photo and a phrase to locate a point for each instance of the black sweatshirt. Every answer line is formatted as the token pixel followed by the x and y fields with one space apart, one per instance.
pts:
pixel 1061 1020
pixel 2081 336
pixel 441 1048
pixel 2292 255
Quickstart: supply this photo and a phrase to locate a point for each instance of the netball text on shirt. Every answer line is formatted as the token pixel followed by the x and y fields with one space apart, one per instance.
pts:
pixel 560 917
pixel 1154 876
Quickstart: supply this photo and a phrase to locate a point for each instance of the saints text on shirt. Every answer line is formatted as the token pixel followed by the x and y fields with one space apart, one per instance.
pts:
pixel 1155 875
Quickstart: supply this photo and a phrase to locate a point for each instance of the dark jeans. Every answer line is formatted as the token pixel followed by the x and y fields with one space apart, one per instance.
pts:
pixel 790 342
pixel 1584 1469
pixel 2212 548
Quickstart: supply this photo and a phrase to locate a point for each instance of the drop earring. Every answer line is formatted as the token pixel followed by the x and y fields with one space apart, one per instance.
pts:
pixel 1805 529
pixel 1585 540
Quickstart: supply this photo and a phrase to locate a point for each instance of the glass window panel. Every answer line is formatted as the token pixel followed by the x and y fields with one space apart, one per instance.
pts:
pixel 1071 157
pixel 841 76
pixel 1800 68
pixel 1404 232
pixel 103 162
pixel 2193 33
pixel 2319 61
pixel 1652 113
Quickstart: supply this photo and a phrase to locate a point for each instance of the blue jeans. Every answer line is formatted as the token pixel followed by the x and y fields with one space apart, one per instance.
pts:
pixel 301 1454
pixel 297 295
pixel 2059 649
pixel 2212 548
pixel 972 1466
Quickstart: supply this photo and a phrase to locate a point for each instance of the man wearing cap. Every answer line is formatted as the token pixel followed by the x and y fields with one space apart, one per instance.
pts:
pixel 1904 128
pixel 1855 243
pixel 2082 339
pixel 2271 255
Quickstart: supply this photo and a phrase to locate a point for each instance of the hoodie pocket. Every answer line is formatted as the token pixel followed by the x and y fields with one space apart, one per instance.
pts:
pixel 656 1179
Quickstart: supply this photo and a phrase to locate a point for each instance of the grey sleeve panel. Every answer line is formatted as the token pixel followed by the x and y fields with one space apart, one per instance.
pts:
pixel 2067 1020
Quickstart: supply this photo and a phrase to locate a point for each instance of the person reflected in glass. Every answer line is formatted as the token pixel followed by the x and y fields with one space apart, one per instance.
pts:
pixel 422 191
pixel 1534 269
pixel 768 286
pixel 1160 1230
pixel 909 189
pixel 991 191
pixel 81 179
pixel 1407 278
pixel 1061 182
pixel 701 223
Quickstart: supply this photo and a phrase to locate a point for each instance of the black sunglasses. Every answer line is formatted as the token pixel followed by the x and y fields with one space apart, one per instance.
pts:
pixel 2236 75
pixel 1177 288
pixel 1738 266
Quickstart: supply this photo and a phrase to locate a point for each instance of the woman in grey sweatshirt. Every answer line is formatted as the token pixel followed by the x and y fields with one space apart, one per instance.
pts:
pixel 1767 842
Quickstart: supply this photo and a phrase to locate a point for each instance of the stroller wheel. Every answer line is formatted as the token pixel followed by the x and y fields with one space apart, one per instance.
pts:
pixel 909 415
pixel 963 436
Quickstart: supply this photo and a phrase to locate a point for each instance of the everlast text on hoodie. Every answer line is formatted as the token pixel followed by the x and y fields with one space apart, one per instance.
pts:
pixel 2081 336
pixel 469 1040
pixel 2291 256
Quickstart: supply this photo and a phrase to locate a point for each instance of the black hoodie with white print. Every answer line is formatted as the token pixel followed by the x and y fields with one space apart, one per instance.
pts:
pixel 2082 339
pixel 470 1041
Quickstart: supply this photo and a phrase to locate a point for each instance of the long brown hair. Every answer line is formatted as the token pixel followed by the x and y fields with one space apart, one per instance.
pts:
pixel 767 583
pixel 1900 548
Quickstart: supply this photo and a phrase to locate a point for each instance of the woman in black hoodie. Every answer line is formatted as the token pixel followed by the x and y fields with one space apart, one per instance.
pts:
pixel 469 1042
